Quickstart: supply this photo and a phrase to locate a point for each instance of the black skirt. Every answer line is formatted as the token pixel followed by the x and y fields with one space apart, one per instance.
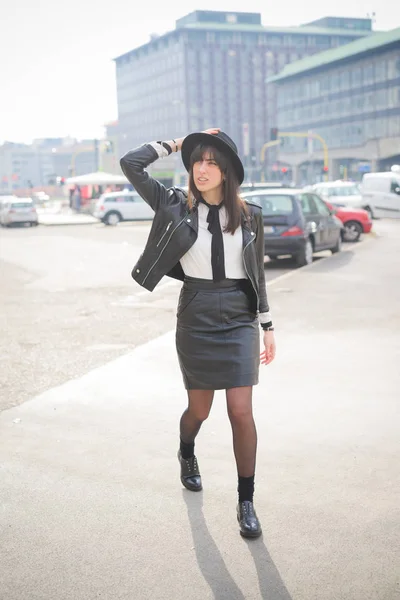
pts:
pixel 217 336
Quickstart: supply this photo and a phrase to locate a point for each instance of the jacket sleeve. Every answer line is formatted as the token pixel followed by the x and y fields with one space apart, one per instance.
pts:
pixel 264 314
pixel 133 165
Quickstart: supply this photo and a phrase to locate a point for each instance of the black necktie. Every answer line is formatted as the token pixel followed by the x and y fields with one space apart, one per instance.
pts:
pixel 217 242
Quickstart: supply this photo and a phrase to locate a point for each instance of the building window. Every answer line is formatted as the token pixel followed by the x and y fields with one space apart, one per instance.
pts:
pixel 322 41
pixel 368 73
pixel 275 40
pixel 282 61
pixel 393 68
pixel 232 19
pixel 325 83
pixel 356 77
pixel 381 128
pixel 369 101
pixel 300 40
pixel 380 70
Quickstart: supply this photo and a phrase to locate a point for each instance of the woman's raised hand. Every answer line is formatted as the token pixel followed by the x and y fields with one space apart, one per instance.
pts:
pixel 176 145
pixel 212 130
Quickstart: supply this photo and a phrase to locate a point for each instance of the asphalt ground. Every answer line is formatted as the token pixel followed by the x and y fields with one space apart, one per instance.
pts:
pixel 68 303
pixel 91 502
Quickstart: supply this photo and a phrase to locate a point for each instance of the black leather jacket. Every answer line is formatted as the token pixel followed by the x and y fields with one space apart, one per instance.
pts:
pixel 175 226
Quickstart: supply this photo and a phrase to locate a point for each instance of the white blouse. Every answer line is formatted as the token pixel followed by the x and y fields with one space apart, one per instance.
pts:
pixel 197 261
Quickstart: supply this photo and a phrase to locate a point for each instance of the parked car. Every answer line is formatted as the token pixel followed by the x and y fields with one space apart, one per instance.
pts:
pixel 18 210
pixel 340 193
pixel 381 192
pixel 252 187
pixel 355 222
pixel 6 199
pixel 297 223
pixel 113 207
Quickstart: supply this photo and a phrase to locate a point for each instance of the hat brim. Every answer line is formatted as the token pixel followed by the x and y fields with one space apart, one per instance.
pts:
pixel 207 139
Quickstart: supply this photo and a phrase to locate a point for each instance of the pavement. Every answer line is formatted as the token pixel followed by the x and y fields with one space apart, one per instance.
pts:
pixel 58 213
pixel 91 502
pixel 68 303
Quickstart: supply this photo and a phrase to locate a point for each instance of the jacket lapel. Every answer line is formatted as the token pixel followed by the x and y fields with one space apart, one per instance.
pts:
pixel 192 219
pixel 246 228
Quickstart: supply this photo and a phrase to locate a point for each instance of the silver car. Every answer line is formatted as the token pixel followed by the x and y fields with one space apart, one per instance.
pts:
pixel 18 210
pixel 113 207
pixel 340 193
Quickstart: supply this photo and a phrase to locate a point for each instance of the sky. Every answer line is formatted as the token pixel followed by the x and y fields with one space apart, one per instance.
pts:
pixel 56 58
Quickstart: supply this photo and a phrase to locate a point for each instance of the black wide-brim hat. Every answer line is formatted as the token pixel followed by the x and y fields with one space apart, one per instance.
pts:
pixel 221 141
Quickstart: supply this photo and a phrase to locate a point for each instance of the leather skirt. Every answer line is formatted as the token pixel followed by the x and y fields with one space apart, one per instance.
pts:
pixel 217 336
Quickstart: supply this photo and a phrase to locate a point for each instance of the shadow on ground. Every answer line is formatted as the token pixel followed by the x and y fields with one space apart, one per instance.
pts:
pixel 213 567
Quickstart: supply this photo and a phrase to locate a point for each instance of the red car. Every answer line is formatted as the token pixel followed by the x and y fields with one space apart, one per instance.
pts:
pixel 355 221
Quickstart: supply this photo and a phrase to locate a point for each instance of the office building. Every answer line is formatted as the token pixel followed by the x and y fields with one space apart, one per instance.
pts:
pixel 40 164
pixel 350 97
pixel 212 70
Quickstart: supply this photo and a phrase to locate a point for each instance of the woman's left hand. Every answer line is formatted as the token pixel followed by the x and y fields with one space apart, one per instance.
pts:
pixel 268 355
pixel 212 130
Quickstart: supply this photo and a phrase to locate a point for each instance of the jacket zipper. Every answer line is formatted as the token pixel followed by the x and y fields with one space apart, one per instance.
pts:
pixel 159 256
pixel 165 233
pixel 248 275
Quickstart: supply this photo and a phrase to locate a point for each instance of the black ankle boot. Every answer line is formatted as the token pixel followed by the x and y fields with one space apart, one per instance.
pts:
pixel 190 474
pixel 249 524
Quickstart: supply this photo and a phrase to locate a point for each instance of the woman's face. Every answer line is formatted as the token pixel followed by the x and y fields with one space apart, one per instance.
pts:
pixel 207 175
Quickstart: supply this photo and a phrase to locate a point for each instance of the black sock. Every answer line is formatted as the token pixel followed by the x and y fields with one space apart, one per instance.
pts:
pixel 187 450
pixel 246 488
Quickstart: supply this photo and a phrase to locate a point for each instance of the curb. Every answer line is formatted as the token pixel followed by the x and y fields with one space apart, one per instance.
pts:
pixel 67 223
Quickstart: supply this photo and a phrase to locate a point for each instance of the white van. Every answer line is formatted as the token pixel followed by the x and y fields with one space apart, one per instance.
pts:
pixel 381 192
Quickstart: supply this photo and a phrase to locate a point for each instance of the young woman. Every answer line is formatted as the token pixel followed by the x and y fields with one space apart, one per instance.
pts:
pixel 214 242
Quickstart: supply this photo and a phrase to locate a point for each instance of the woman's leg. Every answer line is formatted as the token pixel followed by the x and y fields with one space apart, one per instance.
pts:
pixel 240 411
pixel 199 405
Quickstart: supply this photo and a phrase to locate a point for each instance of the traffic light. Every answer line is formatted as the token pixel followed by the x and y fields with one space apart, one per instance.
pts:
pixel 325 169
pixel 274 134
pixel 284 169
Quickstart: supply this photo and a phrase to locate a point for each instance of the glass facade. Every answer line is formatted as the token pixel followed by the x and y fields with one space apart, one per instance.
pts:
pixel 150 92
pixel 347 104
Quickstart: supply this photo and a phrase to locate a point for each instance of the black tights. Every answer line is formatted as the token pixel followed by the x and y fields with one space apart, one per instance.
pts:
pixel 240 412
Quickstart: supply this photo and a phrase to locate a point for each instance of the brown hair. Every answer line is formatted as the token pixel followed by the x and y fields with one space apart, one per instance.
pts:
pixel 230 188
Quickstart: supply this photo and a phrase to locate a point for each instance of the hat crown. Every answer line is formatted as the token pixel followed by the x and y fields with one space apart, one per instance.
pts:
pixel 225 138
